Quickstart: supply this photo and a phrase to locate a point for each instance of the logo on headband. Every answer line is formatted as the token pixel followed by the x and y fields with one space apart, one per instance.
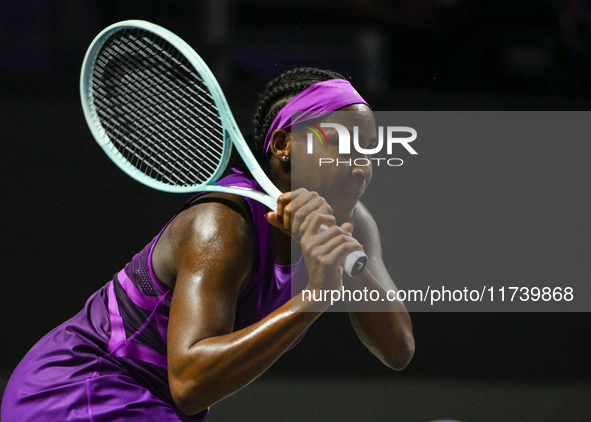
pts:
pixel 323 139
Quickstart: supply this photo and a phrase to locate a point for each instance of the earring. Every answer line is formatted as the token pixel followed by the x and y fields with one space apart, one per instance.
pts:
pixel 285 158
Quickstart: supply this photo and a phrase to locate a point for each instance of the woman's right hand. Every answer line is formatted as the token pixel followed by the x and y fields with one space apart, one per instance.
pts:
pixel 305 215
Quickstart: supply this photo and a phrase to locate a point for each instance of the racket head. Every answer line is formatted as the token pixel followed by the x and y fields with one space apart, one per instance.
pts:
pixel 155 108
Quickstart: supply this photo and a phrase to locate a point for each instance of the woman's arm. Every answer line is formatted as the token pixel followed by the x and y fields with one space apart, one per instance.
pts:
pixel 213 252
pixel 387 332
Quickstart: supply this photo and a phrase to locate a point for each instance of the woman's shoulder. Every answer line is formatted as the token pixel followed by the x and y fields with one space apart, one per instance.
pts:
pixel 214 223
pixel 221 207
pixel 223 202
pixel 366 229
pixel 217 204
pixel 214 216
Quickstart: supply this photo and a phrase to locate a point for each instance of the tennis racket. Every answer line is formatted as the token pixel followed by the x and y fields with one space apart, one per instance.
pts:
pixel 158 112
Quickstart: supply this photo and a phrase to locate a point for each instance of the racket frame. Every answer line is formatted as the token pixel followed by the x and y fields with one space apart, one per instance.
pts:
pixel 230 128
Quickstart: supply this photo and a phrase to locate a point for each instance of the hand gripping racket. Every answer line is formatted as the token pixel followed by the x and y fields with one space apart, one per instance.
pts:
pixel 158 112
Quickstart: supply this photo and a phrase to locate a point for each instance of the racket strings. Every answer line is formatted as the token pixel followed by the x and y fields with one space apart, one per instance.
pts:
pixel 156 109
pixel 162 122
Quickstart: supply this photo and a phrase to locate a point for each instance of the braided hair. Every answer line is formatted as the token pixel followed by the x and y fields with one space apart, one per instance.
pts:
pixel 277 94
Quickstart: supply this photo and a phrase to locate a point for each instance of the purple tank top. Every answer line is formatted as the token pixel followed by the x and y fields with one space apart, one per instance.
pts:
pixel 102 359
pixel 140 320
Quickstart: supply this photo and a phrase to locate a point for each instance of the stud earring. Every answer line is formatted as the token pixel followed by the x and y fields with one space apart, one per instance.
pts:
pixel 285 158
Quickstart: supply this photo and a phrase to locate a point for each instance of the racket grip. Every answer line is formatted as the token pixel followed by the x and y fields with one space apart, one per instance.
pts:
pixel 354 263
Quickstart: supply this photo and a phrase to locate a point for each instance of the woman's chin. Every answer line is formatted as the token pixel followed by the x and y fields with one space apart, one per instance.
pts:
pixel 343 215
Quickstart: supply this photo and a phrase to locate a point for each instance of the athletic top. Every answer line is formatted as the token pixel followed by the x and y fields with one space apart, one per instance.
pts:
pixel 108 363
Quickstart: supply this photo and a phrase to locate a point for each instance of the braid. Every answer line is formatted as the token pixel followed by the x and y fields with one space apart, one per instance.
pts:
pixel 277 94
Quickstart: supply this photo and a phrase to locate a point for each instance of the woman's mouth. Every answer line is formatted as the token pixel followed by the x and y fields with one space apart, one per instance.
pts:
pixel 352 197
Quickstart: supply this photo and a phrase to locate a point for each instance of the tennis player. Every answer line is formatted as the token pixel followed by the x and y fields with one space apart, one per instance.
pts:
pixel 206 307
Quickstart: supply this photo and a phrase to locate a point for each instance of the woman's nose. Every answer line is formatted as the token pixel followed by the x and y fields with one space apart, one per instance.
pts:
pixel 362 169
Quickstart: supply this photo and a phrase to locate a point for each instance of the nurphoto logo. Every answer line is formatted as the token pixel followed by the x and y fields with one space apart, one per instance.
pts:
pixel 345 144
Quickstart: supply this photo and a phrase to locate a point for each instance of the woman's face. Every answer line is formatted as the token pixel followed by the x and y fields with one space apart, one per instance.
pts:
pixel 341 185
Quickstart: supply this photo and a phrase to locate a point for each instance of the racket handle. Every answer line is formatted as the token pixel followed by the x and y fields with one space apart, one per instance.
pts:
pixel 354 263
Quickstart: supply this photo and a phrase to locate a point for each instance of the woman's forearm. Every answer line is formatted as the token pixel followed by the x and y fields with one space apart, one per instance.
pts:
pixel 217 367
pixel 383 326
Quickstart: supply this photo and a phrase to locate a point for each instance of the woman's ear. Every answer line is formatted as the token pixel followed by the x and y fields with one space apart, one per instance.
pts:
pixel 281 144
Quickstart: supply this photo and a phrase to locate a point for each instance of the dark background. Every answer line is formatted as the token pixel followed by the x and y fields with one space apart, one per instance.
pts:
pixel 70 219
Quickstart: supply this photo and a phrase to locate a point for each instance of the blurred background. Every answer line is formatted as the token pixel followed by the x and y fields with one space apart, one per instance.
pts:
pixel 70 219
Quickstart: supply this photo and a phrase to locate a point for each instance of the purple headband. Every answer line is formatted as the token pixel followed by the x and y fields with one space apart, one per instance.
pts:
pixel 315 101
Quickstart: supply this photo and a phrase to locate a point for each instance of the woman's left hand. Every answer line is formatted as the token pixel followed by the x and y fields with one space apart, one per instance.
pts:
pixel 294 212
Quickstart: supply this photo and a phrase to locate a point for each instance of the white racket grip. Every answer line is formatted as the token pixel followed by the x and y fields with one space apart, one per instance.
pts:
pixel 354 263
